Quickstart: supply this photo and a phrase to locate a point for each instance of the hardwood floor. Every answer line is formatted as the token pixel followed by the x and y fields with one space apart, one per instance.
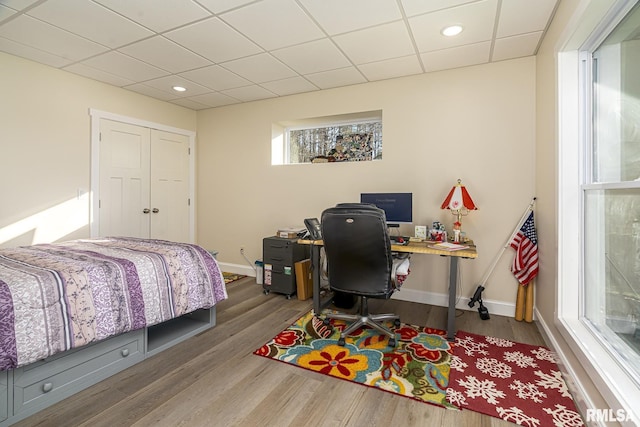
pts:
pixel 213 379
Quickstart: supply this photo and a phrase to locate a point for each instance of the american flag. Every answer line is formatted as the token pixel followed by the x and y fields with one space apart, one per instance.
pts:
pixel 525 242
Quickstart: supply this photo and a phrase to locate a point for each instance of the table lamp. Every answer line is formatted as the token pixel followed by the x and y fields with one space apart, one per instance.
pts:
pixel 459 202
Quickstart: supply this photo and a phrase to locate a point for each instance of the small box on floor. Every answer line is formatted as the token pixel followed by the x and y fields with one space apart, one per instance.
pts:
pixel 304 280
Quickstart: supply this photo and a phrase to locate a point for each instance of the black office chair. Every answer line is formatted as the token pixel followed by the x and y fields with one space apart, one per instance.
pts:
pixel 359 262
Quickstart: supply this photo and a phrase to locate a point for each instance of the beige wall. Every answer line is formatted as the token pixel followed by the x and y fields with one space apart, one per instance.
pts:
pixel 547 184
pixel 475 123
pixel 45 146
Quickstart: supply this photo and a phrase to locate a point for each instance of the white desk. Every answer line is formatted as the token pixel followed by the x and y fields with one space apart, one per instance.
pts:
pixel 414 248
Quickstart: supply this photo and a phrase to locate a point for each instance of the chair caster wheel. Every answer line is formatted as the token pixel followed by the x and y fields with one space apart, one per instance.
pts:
pixel 392 342
pixel 288 296
pixel 396 323
pixel 341 342
pixel 266 292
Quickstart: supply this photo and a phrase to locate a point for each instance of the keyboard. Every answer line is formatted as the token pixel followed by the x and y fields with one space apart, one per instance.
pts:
pixel 399 240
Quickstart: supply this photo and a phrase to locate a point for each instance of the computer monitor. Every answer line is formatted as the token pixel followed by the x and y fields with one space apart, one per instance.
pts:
pixel 398 207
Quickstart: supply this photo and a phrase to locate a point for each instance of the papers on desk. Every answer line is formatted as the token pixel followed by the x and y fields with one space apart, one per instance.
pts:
pixel 446 246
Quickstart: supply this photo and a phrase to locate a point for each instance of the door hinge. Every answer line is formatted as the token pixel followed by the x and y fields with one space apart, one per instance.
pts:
pixel 189 150
pixel 99 136
pixel 99 204
pixel 188 202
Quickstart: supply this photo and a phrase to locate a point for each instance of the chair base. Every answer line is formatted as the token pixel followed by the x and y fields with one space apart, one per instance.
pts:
pixel 365 319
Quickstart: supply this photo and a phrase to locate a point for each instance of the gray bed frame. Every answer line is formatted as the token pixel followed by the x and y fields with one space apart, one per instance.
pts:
pixel 29 389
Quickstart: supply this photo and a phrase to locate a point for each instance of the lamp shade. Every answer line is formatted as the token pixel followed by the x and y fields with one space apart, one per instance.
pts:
pixel 458 198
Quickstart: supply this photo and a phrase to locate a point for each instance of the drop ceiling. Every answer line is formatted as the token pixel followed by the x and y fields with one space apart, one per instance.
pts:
pixel 231 51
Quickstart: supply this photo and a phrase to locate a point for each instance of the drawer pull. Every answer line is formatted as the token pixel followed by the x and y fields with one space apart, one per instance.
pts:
pixel 47 387
pixel 125 352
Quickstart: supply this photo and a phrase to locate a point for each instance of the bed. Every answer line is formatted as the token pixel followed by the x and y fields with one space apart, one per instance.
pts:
pixel 58 298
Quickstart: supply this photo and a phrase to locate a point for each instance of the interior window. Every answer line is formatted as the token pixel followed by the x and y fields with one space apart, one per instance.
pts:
pixel 352 142
pixel 349 137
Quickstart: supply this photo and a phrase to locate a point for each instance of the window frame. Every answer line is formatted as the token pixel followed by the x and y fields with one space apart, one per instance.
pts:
pixel 575 130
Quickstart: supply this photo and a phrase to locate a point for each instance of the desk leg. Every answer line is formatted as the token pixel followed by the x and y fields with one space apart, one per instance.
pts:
pixel 315 264
pixel 451 315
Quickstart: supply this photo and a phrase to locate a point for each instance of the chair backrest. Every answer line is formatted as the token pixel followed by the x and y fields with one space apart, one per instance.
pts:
pixel 358 250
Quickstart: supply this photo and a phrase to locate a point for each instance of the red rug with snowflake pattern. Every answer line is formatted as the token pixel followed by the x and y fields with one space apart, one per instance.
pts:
pixel 519 383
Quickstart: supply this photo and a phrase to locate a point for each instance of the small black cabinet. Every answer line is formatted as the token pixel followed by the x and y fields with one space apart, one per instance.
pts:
pixel 279 256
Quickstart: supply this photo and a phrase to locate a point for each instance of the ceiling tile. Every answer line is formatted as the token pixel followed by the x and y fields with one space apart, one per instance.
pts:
pixel 260 68
pixel 377 43
pixel 391 68
pixel 287 24
pixel 165 54
pixel 158 15
pixel 219 6
pixel 205 38
pixel 19 4
pixel 150 91
pixel 99 75
pixel 249 93
pixel 214 99
pixel 189 103
pixel 516 46
pixel 90 20
pixel 6 12
pixel 124 66
pixel 168 82
pixel 336 78
pixel 253 49
pixel 340 16
pixel 290 86
pixel 28 52
pixel 456 57
pixel 312 57
pixel 418 7
pixel 478 20
pixel 215 77
pixel 40 35
pixel 524 16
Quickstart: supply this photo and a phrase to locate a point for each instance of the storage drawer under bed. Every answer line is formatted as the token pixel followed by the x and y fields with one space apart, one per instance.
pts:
pixel 42 383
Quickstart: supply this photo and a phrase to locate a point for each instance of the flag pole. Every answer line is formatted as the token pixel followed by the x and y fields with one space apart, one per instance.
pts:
pixel 477 296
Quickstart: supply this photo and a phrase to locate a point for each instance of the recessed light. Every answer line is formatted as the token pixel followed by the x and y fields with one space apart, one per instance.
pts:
pixel 179 88
pixel 451 30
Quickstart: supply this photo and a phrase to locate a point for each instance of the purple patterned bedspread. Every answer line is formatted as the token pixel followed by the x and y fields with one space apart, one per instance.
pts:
pixel 54 297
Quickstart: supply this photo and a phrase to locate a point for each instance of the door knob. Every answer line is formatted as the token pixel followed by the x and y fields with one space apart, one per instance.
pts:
pixel 145 210
pixel 155 210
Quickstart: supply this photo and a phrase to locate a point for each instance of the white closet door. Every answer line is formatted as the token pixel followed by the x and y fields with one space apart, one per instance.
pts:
pixel 124 180
pixel 169 186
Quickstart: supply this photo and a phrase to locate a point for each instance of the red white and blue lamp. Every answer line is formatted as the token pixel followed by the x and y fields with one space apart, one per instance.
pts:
pixel 459 202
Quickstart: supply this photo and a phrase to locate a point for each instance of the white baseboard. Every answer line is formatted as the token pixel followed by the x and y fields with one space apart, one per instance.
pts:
pixel 237 269
pixel 580 396
pixel 498 308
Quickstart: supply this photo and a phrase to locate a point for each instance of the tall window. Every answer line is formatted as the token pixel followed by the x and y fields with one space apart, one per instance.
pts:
pixel 352 142
pixel 611 195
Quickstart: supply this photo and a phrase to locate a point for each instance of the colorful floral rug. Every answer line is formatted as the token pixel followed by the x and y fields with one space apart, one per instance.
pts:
pixel 418 367
pixel 519 383
pixel 231 277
